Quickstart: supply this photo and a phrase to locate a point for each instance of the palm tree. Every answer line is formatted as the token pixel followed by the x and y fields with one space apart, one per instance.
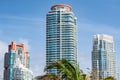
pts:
pixel 48 77
pixel 109 78
pixel 84 76
pixel 66 69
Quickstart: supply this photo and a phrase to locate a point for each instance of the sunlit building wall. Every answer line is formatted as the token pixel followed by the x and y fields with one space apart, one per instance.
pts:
pixel 60 35
pixel 20 72
pixel 103 57
pixel 9 59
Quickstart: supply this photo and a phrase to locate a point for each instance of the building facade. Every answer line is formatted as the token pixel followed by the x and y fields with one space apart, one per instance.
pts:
pixel 20 72
pixel 15 50
pixel 103 57
pixel 60 35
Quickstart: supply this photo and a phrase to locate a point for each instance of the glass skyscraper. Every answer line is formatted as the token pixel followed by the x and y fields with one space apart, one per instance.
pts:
pixel 60 35
pixel 103 57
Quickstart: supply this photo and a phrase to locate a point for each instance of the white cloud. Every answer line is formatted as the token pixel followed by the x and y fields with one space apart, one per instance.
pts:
pixel 30 20
pixel 84 61
pixel 3 50
pixel 98 28
pixel 37 69
pixel 26 42
pixel 36 66
pixel 19 18
pixel 38 63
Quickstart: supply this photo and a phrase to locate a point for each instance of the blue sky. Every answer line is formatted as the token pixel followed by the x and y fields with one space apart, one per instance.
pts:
pixel 23 21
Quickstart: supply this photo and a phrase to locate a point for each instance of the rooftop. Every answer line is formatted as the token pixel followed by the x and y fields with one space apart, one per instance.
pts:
pixel 61 5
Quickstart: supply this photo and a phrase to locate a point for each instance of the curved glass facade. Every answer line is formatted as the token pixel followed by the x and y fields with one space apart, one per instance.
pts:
pixel 60 35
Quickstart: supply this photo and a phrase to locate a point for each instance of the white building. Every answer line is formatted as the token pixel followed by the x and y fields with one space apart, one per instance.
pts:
pixel 20 72
pixel 103 57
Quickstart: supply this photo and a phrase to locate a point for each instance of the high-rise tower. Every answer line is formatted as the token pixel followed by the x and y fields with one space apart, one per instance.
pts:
pixel 15 50
pixel 103 57
pixel 60 35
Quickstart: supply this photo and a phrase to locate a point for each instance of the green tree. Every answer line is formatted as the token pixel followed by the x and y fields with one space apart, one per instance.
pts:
pixel 66 69
pixel 48 77
pixel 109 78
pixel 84 76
